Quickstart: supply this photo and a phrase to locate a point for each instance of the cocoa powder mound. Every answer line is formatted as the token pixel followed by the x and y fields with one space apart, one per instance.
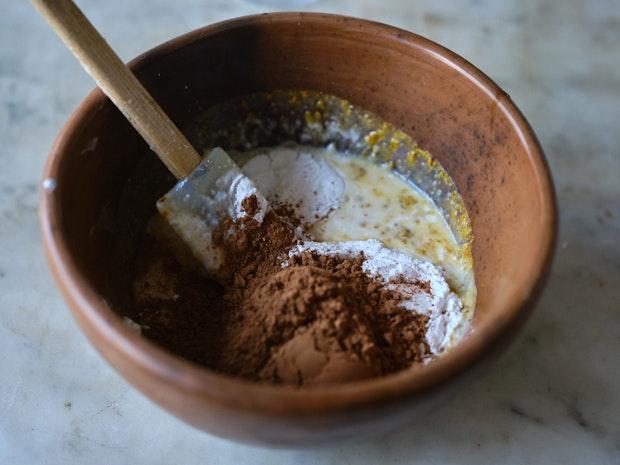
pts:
pixel 318 320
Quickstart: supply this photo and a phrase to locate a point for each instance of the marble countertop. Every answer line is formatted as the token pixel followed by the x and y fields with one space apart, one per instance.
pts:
pixel 554 398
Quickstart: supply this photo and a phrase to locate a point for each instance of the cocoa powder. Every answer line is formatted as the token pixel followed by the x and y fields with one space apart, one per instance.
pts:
pixel 317 320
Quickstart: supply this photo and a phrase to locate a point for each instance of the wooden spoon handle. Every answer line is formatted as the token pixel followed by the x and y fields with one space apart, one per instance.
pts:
pixel 120 85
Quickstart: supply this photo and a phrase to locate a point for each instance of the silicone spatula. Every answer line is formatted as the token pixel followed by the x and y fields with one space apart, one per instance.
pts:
pixel 199 199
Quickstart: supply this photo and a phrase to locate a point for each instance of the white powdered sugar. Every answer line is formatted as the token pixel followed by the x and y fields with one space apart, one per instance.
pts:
pixel 404 274
pixel 297 178
pixel 233 188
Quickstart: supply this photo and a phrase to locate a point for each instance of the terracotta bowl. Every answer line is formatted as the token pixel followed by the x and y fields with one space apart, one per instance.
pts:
pixel 450 107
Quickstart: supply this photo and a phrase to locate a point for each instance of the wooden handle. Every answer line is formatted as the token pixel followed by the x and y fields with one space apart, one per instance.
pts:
pixel 120 85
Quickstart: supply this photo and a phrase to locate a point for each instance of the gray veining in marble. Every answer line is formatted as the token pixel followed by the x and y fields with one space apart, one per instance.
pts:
pixel 554 398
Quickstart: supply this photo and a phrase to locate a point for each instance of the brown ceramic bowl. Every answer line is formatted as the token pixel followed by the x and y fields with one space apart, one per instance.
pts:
pixel 450 107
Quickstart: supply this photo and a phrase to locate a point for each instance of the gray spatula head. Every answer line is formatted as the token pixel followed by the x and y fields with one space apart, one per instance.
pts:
pixel 196 205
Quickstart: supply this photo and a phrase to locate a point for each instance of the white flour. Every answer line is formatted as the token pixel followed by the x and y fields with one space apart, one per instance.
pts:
pixel 442 306
pixel 233 188
pixel 297 178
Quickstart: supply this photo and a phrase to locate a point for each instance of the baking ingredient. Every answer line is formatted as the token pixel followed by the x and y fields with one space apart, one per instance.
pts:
pixel 241 189
pixel 299 179
pixel 295 305
pixel 197 203
pixel 378 204
pixel 320 319
pixel 422 287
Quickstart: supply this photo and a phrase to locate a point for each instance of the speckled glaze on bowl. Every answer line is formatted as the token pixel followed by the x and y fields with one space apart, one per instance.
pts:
pixel 451 108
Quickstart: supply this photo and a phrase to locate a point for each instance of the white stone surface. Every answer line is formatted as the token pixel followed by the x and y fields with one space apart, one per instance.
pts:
pixel 554 398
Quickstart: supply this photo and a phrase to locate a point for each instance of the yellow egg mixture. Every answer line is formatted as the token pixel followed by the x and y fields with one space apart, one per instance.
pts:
pixel 379 204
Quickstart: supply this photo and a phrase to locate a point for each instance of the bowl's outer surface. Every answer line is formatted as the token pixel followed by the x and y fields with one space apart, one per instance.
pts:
pixel 446 104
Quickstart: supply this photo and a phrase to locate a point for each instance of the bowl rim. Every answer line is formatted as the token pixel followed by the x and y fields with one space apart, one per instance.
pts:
pixel 265 398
